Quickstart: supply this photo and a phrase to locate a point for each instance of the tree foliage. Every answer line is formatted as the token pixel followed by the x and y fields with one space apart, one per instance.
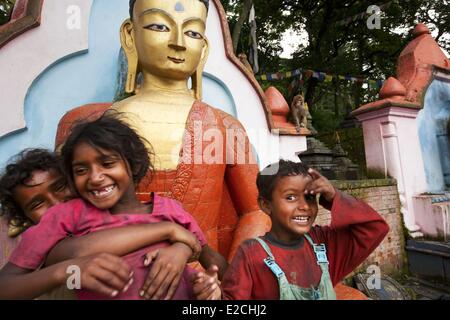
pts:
pixel 336 47
pixel 6 7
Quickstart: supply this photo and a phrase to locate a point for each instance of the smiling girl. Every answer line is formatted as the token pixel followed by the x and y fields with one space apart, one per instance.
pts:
pixel 105 159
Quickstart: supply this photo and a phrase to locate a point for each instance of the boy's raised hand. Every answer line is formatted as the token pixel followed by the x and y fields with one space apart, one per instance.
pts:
pixel 104 273
pixel 206 285
pixel 320 184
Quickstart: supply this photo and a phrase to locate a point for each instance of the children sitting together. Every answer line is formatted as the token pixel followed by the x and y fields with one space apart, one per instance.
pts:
pixel 85 212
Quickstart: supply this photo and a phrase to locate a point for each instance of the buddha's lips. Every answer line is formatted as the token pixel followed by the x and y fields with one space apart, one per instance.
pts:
pixel 176 60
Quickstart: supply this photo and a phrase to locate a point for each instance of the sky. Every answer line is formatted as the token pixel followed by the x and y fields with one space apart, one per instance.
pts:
pixel 291 40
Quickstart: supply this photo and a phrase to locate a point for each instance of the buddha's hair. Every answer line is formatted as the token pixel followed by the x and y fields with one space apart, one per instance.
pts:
pixel 133 2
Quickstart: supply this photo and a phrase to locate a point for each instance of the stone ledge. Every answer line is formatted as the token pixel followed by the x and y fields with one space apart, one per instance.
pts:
pixel 361 184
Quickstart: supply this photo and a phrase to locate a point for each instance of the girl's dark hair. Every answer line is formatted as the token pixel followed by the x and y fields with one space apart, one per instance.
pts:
pixel 20 168
pixel 110 133
pixel 269 176
pixel 133 2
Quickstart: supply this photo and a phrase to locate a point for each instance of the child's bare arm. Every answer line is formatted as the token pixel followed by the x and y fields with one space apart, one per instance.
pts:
pixel 103 273
pixel 168 263
pixel 18 283
pixel 209 257
pixel 122 240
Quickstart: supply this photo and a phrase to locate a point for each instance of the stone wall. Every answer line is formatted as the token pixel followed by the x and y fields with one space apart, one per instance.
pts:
pixel 382 195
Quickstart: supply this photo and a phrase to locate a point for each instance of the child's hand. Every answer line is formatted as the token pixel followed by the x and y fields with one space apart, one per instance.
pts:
pixel 180 234
pixel 206 285
pixel 104 273
pixel 165 273
pixel 321 185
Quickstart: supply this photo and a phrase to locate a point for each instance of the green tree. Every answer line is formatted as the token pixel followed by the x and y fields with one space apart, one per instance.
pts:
pixel 335 46
pixel 6 7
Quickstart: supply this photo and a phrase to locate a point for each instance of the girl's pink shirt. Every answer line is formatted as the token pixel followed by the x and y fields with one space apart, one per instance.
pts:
pixel 77 218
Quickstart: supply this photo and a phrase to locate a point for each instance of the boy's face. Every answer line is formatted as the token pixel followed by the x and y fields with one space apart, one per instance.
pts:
pixel 291 211
pixel 41 191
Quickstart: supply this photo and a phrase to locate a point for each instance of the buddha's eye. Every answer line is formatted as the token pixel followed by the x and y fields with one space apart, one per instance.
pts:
pixel 193 34
pixel 157 27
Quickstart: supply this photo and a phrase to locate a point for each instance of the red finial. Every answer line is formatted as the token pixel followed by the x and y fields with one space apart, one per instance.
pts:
pixel 276 102
pixel 420 29
pixel 392 88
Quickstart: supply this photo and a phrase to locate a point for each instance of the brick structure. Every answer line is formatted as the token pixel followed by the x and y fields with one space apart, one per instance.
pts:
pixel 382 195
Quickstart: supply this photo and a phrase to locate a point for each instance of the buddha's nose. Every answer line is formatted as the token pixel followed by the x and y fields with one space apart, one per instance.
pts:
pixel 177 41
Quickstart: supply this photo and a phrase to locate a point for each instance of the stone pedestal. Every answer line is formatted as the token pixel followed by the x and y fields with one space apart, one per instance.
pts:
pixel 319 157
pixel 345 169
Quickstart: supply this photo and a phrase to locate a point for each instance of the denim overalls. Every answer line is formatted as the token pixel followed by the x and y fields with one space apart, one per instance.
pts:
pixel 324 290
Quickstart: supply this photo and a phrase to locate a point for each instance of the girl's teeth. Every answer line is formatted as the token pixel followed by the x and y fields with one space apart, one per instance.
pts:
pixel 103 192
pixel 301 219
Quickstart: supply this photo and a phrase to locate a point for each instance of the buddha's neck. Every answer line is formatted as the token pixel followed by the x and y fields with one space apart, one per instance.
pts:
pixel 156 85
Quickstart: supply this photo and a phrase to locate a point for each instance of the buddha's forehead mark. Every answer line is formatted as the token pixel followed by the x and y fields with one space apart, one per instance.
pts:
pixel 179 7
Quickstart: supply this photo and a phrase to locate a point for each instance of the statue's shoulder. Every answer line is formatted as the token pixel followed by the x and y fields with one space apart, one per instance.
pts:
pixel 90 111
pixel 228 120
pixel 126 105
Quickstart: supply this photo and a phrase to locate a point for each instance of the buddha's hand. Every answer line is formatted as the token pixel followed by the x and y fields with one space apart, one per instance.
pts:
pixel 180 234
pixel 206 285
pixel 104 273
pixel 165 272
pixel 320 185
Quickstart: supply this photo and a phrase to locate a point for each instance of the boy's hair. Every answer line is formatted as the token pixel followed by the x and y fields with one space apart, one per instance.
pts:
pixel 268 177
pixel 133 2
pixel 110 133
pixel 19 169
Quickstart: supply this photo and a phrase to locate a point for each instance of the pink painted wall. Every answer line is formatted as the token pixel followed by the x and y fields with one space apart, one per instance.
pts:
pixel 392 145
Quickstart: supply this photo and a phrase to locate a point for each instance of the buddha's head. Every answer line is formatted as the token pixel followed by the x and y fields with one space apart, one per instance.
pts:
pixel 166 39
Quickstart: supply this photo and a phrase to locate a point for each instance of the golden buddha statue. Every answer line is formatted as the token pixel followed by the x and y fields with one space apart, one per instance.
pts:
pixel 199 162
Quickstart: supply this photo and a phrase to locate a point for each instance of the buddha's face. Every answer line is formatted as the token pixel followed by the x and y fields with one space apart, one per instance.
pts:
pixel 169 36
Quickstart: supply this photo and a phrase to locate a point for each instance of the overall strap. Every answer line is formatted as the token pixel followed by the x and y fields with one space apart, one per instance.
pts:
pixel 326 285
pixel 320 251
pixel 265 247
pixel 270 260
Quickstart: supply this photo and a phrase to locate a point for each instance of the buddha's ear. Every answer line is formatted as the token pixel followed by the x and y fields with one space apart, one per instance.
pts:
pixel 129 47
pixel 197 76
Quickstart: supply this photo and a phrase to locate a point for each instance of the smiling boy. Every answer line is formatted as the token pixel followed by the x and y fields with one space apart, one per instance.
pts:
pixel 296 260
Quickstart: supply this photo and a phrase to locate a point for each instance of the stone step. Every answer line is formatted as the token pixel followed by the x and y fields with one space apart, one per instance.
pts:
pixel 426 290
pixel 429 259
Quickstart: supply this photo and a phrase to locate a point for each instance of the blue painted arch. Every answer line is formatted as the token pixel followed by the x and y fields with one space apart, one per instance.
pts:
pixel 434 140
pixel 86 77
